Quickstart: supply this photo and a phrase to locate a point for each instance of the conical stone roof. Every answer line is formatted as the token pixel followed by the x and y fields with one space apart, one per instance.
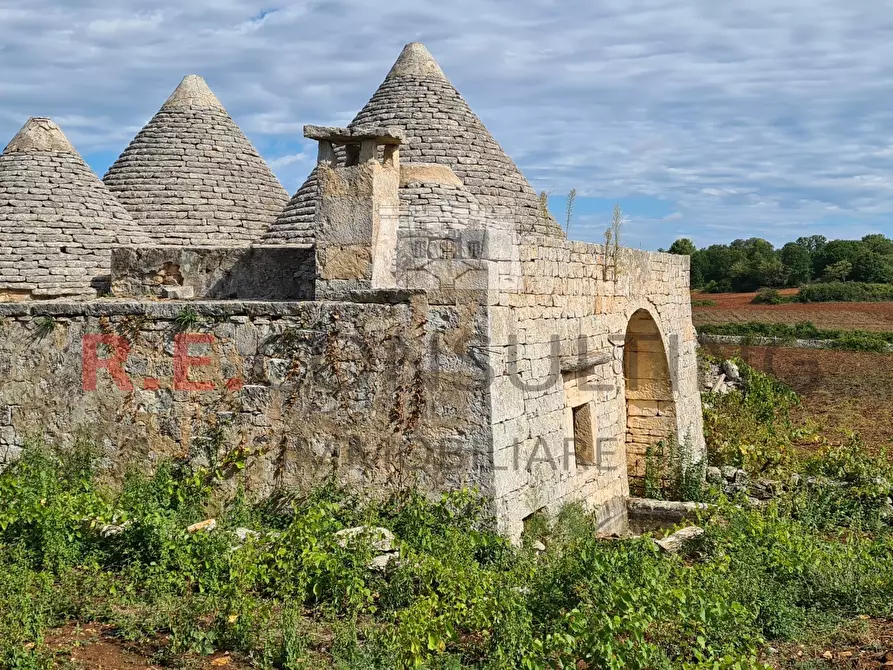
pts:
pixel 295 224
pixel 191 177
pixel 417 97
pixel 58 222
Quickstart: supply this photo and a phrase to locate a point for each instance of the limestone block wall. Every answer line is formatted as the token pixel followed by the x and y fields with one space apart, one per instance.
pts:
pixel 377 395
pixel 559 348
pixel 214 273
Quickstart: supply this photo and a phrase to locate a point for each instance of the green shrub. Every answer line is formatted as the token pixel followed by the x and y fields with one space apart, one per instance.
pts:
pixel 771 296
pixel 845 292
pixel 703 303
pixel 460 596
pixel 852 340
pixel 751 429
pixel 862 341
pixel 713 286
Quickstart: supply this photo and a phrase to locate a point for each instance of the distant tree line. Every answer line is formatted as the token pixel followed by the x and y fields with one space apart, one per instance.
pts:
pixel 754 263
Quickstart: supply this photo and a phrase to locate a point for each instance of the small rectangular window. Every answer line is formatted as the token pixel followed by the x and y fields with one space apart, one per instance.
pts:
pixel 584 435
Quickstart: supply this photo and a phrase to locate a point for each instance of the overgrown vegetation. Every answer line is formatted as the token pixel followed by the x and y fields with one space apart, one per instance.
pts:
pixel 703 303
pixel 846 292
pixel 672 473
pixel 74 549
pixel 850 340
pixel 77 548
pixel 752 429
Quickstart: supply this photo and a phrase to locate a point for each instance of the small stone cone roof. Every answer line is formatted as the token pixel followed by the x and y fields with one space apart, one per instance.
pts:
pixel 58 222
pixel 417 97
pixel 191 177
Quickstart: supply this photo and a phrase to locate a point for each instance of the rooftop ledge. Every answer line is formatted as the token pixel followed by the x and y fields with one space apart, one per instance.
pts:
pixel 169 309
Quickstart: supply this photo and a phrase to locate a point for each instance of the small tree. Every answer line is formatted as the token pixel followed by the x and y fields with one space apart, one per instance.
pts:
pixel 682 247
pixel 544 204
pixel 873 267
pixel 612 244
pixel 797 263
pixel 569 209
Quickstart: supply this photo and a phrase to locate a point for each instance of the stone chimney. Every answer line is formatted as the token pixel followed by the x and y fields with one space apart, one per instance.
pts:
pixel 357 208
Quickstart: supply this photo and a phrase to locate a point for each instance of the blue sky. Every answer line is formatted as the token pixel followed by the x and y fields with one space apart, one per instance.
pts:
pixel 712 120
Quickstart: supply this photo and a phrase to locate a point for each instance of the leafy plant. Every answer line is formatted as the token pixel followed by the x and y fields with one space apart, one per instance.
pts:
pixel 751 429
pixel 186 319
pixel 45 326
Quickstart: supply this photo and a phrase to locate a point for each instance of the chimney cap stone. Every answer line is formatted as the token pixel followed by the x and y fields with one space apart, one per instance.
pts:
pixel 356 135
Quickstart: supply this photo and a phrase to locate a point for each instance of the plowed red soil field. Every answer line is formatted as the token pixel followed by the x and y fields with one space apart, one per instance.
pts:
pixel 737 308
pixel 841 391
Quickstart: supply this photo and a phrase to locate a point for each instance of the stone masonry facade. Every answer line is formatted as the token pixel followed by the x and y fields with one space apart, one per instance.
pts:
pixel 411 317
pixel 375 395
pixel 566 348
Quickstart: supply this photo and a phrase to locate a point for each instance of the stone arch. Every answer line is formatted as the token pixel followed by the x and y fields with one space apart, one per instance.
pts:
pixel 650 407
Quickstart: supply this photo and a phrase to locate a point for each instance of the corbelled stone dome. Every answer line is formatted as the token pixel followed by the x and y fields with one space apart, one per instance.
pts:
pixel 58 222
pixel 417 97
pixel 192 177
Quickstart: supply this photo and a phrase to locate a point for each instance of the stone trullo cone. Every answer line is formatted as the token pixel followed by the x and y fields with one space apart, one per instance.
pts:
pixel 417 97
pixel 191 177
pixel 58 222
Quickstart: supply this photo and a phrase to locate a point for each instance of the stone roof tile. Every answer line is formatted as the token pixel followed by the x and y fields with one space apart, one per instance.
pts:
pixel 192 169
pixel 417 97
pixel 58 222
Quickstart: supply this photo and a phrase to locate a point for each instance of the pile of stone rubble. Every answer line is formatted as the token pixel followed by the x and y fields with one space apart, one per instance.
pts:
pixel 721 378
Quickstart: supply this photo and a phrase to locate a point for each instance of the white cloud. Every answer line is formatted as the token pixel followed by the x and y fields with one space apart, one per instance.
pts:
pixel 762 117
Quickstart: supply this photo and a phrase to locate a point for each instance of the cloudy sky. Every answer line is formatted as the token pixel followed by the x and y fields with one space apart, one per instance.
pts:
pixel 702 118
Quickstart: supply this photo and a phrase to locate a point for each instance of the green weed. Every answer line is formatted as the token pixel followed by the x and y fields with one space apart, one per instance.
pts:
pixel 459 595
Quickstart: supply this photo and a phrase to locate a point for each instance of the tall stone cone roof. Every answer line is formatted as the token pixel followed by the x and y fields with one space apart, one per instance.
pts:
pixel 58 222
pixel 191 177
pixel 417 97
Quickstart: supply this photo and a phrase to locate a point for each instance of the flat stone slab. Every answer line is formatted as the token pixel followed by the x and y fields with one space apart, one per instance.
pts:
pixel 382 135
pixel 672 544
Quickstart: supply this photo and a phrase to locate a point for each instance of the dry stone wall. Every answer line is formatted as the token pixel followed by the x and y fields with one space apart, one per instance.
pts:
pixel 215 273
pixel 377 395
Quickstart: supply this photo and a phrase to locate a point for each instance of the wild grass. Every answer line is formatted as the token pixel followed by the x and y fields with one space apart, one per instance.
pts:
pixel 73 549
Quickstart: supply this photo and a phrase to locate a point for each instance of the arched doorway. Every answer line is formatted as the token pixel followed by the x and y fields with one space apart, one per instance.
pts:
pixel 650 410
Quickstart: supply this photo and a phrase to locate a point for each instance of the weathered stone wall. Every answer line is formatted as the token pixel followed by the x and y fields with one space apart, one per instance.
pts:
pixel 377 395
pixel 557 343
pixel 214 273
